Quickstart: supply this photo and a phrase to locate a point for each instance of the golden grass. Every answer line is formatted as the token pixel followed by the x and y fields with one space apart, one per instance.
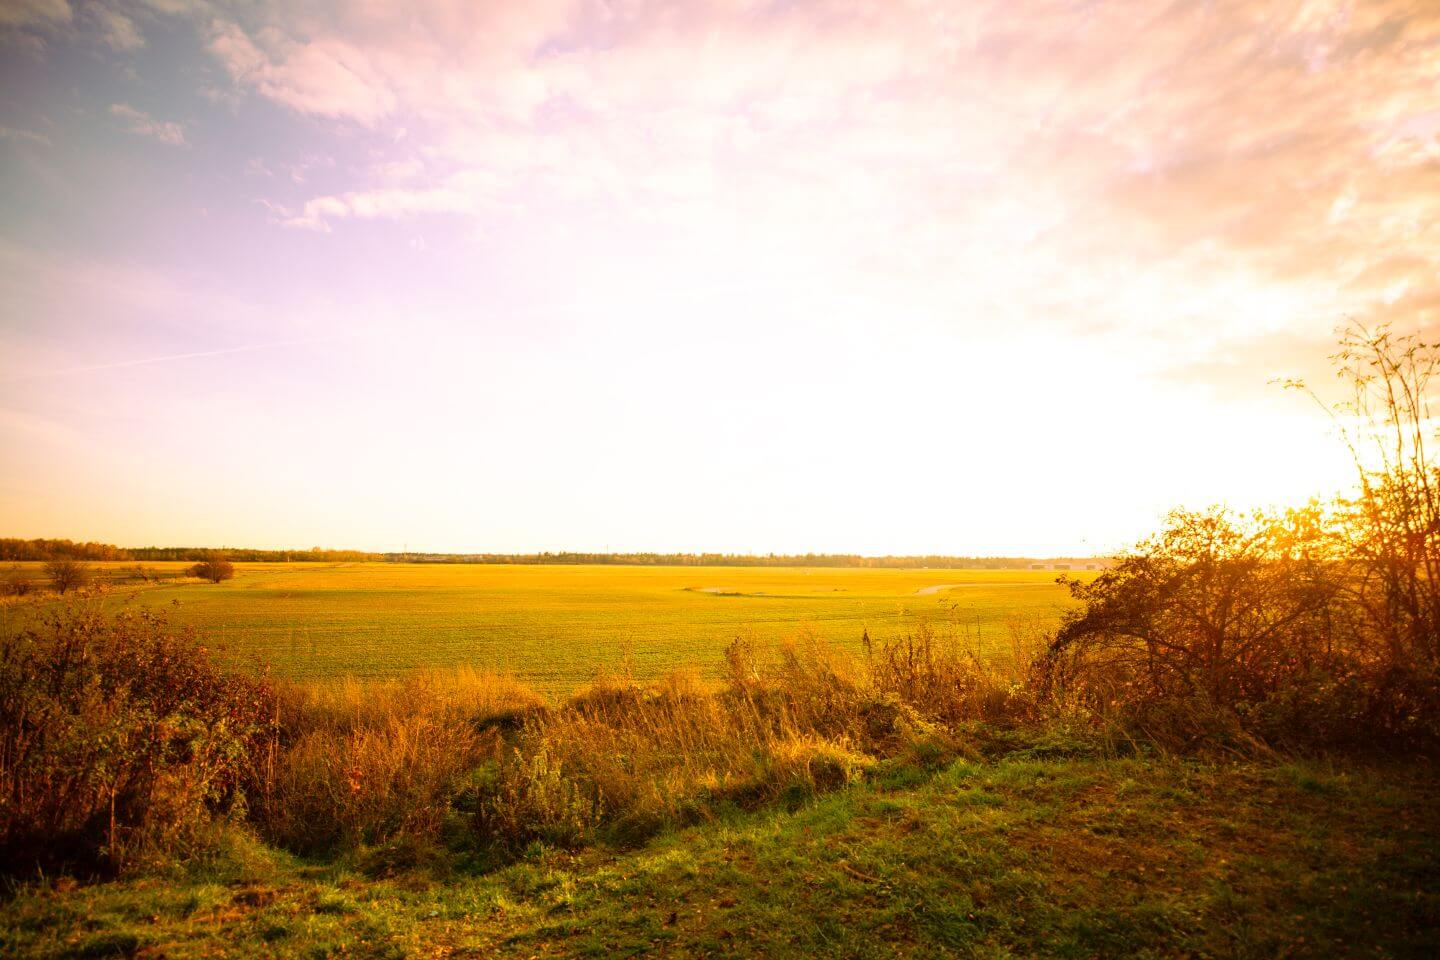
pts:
pixel 554 627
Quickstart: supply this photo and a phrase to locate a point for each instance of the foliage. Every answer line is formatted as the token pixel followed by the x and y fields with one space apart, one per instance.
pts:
pixel 1317 627
pixel 12 548
pixel 370 763
pixel 1391 528
pixel 215 567
pixel 118 739
pixel 67 574
pixel 244 555
pixel 334 790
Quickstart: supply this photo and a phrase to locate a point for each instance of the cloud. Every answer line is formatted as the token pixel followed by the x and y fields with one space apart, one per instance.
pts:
pixel 24 136
pixel 463 193
pixel 165 358
pixel 26 13
pixel 116 29
pixel 139 122
pixel 1178 176
pixel 327 77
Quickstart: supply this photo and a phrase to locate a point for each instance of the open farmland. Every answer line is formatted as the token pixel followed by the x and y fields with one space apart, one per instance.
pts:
pixel 556 626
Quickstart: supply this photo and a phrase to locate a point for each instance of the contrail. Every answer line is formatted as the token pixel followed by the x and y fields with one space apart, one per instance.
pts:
pixel 145 361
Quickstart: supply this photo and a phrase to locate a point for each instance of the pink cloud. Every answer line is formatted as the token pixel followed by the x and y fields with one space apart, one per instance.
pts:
pixel 327 77
pixel 23 13
pixel 1005 152
pixel 140 122
pixel 116 29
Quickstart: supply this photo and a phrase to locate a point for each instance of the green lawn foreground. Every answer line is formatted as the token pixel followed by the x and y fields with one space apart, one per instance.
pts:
pixel 1012 858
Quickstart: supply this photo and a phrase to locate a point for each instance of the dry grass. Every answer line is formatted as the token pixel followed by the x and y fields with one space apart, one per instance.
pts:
pixel 349 704
pixel 369 785
pixel 628 759
pixel 363 763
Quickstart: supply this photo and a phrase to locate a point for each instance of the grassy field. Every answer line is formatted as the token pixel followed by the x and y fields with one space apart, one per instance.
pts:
pixel 1016 858
pixel 555 626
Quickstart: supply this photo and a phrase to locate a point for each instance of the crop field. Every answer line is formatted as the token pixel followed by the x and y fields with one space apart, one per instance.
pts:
pixel 555 627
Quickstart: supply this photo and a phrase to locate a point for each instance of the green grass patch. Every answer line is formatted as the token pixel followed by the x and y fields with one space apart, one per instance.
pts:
pixel 1054 858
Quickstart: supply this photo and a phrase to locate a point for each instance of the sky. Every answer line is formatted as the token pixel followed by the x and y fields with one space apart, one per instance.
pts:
pixel 1006 277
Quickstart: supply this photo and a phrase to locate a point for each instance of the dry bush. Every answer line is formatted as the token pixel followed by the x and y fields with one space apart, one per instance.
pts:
pixel 633 759
pixel 67 574
pixel 119 741
pixel 215 567
pixel 628 759
pixel 372 784
pixel 1391 526
pixel 1189 638
pixel 944 682
pixel 1315 628
pixel 535 798
pixel 368 762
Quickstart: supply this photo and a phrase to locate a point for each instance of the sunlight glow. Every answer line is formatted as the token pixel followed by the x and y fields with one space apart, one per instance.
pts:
pixel 902 278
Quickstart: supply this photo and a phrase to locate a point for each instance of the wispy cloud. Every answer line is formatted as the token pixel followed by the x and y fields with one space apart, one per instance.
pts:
pixel 26 13
pixel 140 122
pixel 24 136
pixel 1287 144
pixel 166 358
pixel 116 29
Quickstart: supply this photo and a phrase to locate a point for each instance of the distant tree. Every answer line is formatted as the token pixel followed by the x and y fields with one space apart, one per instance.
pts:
pixel 67 574
pixel 214 568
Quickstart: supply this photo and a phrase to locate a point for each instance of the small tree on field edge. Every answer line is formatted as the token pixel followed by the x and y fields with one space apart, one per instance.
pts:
pixel 214 568
pixel 67 574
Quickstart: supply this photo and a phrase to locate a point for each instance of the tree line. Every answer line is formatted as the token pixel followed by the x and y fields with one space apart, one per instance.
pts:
pixel 746 560
pixel 43 550
pixel 40 550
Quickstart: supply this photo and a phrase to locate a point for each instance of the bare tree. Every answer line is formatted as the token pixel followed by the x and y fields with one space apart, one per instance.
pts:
pixel 1392 524
pixel 67 574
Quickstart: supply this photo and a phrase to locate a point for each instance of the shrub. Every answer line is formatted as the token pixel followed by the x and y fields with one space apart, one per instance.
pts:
pixel 119 740
pixel 534 798
pixel 67 574
pixel 942 682
pixel 1317 627
pixel 214 568
pixel 370 785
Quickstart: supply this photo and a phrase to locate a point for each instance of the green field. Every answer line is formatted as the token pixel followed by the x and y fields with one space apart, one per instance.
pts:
pixel 555 626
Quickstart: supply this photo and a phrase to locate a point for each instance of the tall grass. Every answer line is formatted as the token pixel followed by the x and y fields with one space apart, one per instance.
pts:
pixel 363 763
pixel 121 738
pixel 623 760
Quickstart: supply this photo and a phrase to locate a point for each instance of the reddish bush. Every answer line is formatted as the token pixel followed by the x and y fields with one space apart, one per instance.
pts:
pixel 118 739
